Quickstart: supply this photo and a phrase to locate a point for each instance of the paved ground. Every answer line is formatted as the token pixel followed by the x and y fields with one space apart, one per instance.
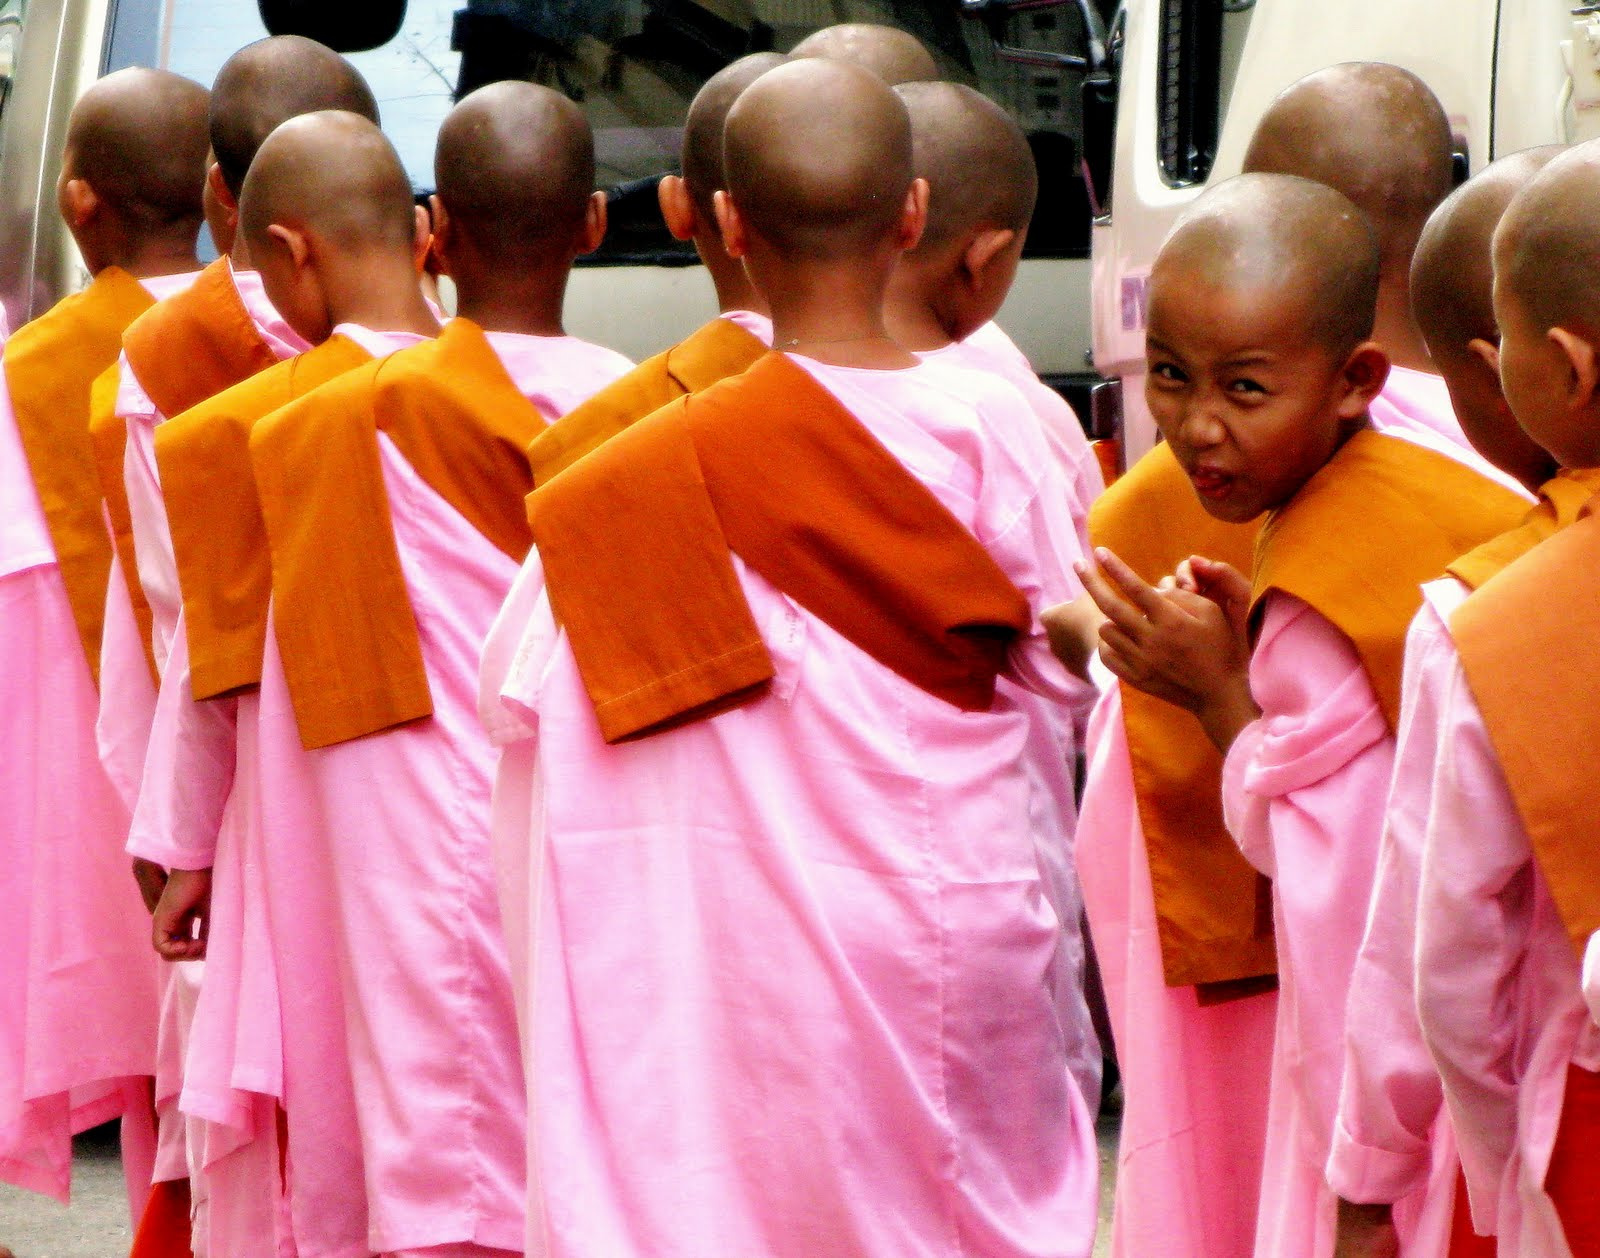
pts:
pixel 96 1224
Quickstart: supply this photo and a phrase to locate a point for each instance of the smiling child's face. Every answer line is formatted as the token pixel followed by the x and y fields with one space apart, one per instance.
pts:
pixel 1245 393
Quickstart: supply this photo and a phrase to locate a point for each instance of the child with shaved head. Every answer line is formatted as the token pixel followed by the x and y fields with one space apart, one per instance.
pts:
pixel 785 916
pixel 327 214
pixel 1376 133
pixel 78 1001
pixel 894 55
pixel 1262 371
pixel 1506 921
pixel 982 186
pixel 723 347
pixel 1393 1140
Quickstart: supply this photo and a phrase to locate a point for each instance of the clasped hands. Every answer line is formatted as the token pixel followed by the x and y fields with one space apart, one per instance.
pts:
pixel 1185 639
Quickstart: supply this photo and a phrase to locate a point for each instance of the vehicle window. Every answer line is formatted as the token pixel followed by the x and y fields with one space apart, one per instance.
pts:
pixel 1201 42
pixel 634 65
pixel 12 13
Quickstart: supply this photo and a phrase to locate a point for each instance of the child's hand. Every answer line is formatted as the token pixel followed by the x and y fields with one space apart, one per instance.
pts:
pixel 1179 643
pixel 152 880
pixel 1074 630
pixel 1365 1232
pixel 183 915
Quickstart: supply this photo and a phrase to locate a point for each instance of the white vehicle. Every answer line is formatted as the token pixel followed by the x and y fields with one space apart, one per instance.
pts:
pixel 633 64
pixel 1196 75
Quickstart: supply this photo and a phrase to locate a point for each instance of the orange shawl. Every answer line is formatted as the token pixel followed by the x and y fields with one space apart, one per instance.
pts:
pixel 51 366
pixel 217 533
pixel 1561 499
pixel 637 545
pixel 1527 644
pixel 718 350
pixel 1213 909
pixel 342 613
pixel 1357 543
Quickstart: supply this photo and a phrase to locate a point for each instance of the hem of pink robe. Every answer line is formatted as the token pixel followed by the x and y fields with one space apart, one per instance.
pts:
pixel 1369 1175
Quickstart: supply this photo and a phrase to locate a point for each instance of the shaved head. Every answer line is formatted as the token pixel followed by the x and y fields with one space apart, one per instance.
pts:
pixel 335 176
pixel 708 116
pixel 139 139
pixel 515 169
pixel 265 84
pixel 1374 132
pixel 1282 233
pixel 975 158
pixel 1547 247
pixel 820 183
pixel 894 55
pixel 1452 276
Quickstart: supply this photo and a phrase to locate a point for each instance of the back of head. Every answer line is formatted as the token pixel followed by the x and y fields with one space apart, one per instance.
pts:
pixel 515 169
pixel 818 157
pixel 333 176
pixel 1547 246
pixel 1288 239
pixel 1374 132
pixel 976 160
pixel 138 138
pixel 267 83
pixel 1452 275
pixel 708 117
pixel 894 55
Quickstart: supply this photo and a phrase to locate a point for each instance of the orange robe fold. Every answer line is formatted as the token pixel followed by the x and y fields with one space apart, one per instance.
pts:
pixel 1527 643
pixel 1357 543
pixel 770 467
pixel 1213 910
pixel 196 343
pixel 218 536
pixel 51 367
pixel 1561 502
pixel 343 618
pixel 716 351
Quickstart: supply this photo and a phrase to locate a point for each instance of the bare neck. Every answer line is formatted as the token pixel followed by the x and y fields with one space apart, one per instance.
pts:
pixel 910 312
pixel 528 302
pixel 150 259
pixel 730 279
pixel 1396 329
pixel 382 298
pixel 833 312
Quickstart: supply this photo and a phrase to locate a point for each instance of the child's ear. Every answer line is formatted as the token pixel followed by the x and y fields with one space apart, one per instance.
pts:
pixel 219 189
pixel 981 252
pixel 443 233
pixel 1583 369
pixel 1486 352
pixel 596 217
pixel 294 242
pixel 1366 371
pixel 677 207
pixel 421 238
pixel 735 235
pixel 79 203
pixel 914 217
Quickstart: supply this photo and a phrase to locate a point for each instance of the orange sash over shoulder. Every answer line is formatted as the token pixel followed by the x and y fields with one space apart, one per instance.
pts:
pixel 1561 499
pixel 196 343
pixel 1528 645
pixel 716 351
pixel 1357 543
pixel 50 366
pixel 1213 909
pixel 215 517
pixel 637 544
pixel 343 618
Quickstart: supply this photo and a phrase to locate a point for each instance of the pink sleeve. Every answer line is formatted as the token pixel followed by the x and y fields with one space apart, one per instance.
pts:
pixel 1390 1096
pixel 1304 789
pixel 1473 927
pixel 188 772
pixel 127 695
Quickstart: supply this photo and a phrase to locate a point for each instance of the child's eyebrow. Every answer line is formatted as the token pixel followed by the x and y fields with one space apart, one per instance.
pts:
pixel 1253 358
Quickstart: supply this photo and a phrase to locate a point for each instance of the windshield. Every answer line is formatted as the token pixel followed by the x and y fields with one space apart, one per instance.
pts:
pixel 634 65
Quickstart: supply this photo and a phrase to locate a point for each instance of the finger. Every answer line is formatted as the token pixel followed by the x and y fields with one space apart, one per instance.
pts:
pixel 1144 597
pixel 1111 604
pixel 1123 644
pixel 1185 577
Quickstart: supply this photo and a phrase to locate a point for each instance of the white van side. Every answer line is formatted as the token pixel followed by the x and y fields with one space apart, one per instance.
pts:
pixel 1496 65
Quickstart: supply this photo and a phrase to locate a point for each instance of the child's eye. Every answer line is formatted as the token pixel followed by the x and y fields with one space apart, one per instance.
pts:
pixel 1167 372
pixel 1247 386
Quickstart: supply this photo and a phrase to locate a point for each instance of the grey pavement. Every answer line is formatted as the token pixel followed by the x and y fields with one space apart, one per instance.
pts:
pixel 96 1224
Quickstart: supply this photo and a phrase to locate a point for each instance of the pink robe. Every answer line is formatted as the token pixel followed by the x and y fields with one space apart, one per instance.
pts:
pixel 785 973
pixel 1498 986
pixel 78 989
pixel 1194 1076
pixel 1392 1141
pixel 1056 731
pixel 233 1215
pixel 406 993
